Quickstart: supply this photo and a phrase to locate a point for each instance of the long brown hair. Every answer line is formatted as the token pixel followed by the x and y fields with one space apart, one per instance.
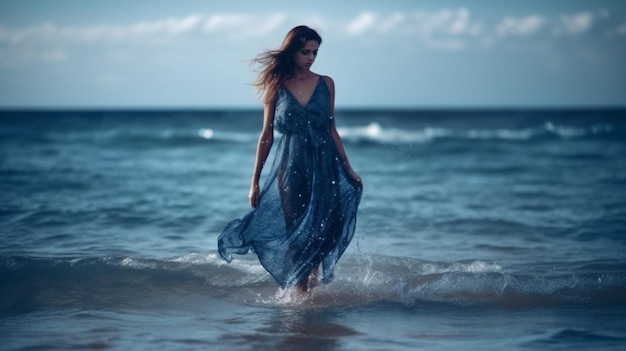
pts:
pixel 277 65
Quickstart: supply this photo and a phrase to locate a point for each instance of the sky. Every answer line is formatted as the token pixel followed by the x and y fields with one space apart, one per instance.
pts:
pixel 381 54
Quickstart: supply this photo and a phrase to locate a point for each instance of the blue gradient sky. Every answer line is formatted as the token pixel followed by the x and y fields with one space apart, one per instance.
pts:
pixel 195 54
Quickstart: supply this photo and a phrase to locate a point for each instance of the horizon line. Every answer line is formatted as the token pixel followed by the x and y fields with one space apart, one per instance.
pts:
pixel 339 108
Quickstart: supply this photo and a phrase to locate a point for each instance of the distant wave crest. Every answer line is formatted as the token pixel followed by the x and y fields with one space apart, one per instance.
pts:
pixel 155 138
pixel 375 133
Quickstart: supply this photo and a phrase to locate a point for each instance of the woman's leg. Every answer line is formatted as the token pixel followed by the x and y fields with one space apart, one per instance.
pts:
pixel 308 282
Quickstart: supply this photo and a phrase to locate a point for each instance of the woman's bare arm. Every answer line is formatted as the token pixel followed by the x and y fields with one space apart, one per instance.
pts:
pixel 262 151
pixel 335 135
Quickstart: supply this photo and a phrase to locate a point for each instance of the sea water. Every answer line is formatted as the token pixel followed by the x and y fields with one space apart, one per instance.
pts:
pixel 478 229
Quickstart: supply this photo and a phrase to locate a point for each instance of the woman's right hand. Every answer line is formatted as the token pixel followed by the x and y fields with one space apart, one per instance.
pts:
pixel 253 196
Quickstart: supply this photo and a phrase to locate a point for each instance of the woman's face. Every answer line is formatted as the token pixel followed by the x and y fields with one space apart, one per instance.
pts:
pixel 305 57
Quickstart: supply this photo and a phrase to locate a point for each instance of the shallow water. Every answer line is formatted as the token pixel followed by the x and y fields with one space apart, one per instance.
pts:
pixel 477 229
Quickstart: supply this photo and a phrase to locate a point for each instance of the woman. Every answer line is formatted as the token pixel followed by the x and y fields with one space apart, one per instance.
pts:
pixel 305 214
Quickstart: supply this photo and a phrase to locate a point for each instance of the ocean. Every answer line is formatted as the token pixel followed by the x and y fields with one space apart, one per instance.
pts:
pixel 496 229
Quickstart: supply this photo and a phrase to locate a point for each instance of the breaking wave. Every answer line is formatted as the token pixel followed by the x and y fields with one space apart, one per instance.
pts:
pixel 30 282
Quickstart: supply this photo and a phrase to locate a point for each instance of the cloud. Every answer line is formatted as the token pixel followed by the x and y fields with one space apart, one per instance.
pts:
pixel 427 25
pixel 460 24
pixel 442 29
pixel 223 22
pixel 243 26
pixel 236 25
pixel 446 22
pixel 368 21
pixel 578 23
pixel 527 25
pixel 361 24
pixel 50 32
pixel 392 22
pixel 269 24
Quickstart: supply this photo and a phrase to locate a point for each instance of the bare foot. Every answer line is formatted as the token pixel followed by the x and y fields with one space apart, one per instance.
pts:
pixel 303 286
pixel 308 283
pixel 313 277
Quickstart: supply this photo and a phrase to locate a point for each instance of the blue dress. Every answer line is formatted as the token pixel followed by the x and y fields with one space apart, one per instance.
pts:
pixel 307 207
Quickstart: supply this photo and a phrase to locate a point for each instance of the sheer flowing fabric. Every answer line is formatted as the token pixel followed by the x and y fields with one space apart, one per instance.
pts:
pixel 307 208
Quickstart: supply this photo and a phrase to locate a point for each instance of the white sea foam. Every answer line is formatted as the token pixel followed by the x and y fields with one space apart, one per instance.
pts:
pixel 375 132
pixel 238 137
pixel 136 263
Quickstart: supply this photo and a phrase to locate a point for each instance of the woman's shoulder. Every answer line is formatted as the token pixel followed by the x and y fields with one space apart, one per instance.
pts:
pixel 327 79
pixel 330 83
